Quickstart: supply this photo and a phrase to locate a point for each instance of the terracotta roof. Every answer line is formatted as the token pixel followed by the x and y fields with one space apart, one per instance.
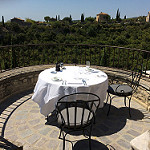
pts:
pixel 18 18
pixel 40 22
pixel 102 14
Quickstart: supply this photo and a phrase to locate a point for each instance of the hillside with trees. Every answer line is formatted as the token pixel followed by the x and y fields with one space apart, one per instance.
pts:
pixel 125 33
pixel 129 33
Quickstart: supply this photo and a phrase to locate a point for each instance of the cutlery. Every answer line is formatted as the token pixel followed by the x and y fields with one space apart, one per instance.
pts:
pixel 64 82
pixel 84 82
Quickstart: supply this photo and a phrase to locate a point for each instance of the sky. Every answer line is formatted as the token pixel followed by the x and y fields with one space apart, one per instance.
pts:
pixel 38 9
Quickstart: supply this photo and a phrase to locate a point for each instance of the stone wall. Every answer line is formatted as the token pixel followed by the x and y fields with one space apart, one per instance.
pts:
pixel 22 79
pixel 16 84
pixel 19 80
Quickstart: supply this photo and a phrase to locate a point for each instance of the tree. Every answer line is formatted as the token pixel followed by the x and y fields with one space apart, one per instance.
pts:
pixel 91 31
pixel 15 28
pixel 82 17
pixel 67 19
pixel 3 21
pixel 90 19
pixel 56 17
pixel 30 20
pixel 56 25
pixel 47 18
pixel 118 19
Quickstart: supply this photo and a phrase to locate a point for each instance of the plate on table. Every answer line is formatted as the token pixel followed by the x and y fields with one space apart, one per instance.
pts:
pixel 54 72
pixel 57 79
pixel 89 69
pixel 64 68
pixel 92 70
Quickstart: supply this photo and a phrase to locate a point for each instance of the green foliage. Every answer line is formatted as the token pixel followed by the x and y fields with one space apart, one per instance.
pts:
pixel 56 25
pixel 129 33
pixel 90 19
pixel 29 20
pixel 67 19
pixel 47 18
pixel 91 31
pixel 134 35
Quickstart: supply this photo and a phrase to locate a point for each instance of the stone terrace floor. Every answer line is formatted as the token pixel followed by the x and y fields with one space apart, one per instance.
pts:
pixel 21 121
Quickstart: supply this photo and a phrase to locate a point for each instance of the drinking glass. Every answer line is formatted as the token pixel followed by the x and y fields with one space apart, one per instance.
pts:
pixel 87 64
pixel 61 64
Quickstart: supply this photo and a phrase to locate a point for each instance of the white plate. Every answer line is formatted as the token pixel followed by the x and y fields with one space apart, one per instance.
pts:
pixel 63 68
pixel 57 79
pixel 54 72
pixel 92 70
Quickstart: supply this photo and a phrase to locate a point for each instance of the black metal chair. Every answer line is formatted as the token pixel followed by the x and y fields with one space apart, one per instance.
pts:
pixel 76 112
pixel 125 90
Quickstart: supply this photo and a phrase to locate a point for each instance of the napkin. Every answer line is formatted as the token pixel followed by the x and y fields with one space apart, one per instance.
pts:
pixel 102 75
pixel 74 81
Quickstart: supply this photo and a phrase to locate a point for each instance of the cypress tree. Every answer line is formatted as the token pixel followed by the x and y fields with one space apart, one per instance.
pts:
pixel 56 17
pixel 118 19
pixel 82 17
pixel 3 21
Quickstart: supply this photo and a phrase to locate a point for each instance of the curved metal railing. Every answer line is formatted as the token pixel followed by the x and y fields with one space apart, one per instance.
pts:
pixel 12 56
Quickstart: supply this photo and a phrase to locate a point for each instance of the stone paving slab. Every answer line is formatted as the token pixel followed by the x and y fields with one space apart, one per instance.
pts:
pixel 21 121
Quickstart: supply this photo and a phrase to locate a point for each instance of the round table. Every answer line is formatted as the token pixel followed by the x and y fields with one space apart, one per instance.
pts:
pixel 52 85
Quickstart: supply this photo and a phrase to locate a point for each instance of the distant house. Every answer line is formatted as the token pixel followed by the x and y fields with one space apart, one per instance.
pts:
pixel 20 22
pixel 102 17
pixel 17 20
pixel 148 17
pixel 41 23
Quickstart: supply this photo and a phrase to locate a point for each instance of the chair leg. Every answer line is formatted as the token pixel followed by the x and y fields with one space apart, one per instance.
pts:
pixel 63 138
pixel 47 118
pixel 125 101
pixel 63 142
pixel 60 134
pixel 109 105
pixel 129 107
pixel 107 99
pixel 90 143
pixel 90 147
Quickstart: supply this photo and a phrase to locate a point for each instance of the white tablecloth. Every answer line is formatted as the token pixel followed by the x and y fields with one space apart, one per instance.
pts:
pixel 70 80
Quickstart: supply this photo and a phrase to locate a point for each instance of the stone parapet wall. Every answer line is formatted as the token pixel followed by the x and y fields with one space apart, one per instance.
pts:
pixel 19 80
pixel 22 79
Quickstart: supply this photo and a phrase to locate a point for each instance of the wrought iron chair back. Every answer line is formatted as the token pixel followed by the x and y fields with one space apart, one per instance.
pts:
pixel 77 112
pixel 136 76
pixel 125 90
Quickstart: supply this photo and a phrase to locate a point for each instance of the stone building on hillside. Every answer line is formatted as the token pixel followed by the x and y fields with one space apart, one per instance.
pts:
pixel 20 22
pixel 102 17
pixel 17 20
pixel 148 17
